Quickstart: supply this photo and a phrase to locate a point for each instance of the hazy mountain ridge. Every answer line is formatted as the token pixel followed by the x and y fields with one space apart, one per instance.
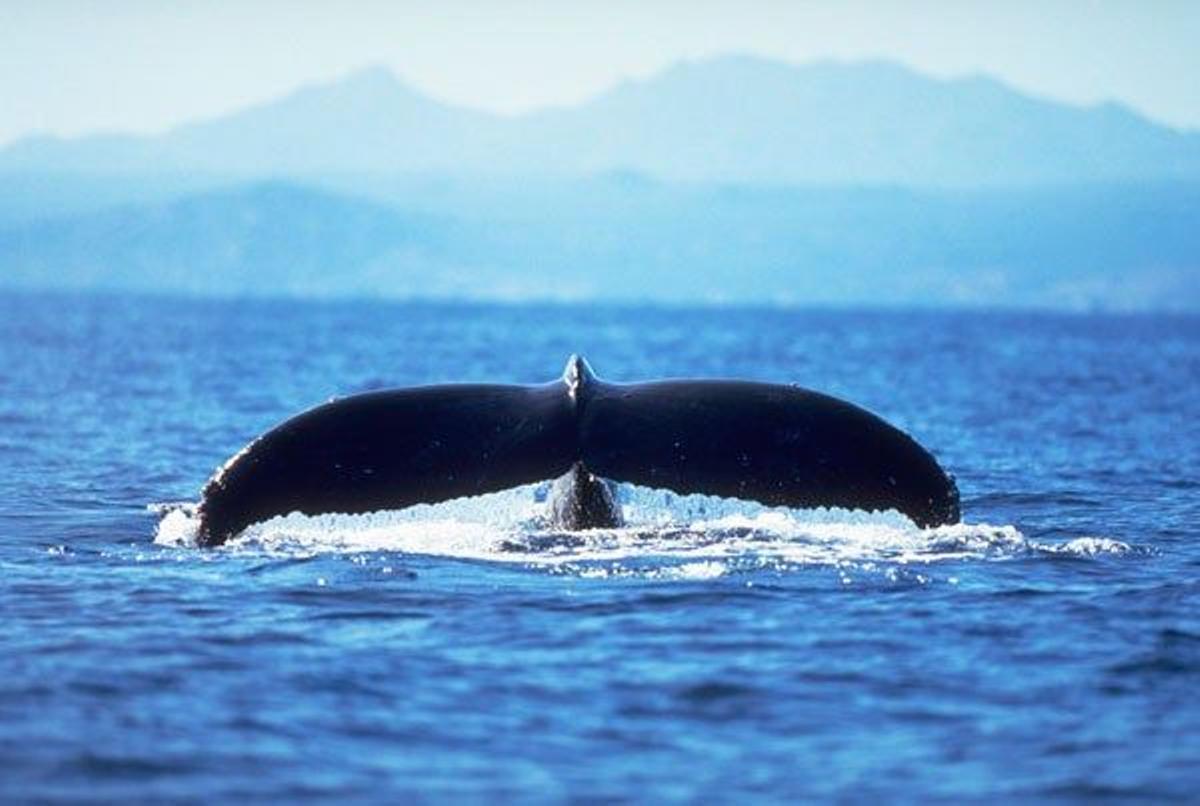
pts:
pixel 731 179
pixel 270 238
pixel 611 239
pixel 730 119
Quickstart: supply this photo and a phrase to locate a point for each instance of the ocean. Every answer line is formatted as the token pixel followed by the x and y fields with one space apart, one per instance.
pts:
pixel 1048 647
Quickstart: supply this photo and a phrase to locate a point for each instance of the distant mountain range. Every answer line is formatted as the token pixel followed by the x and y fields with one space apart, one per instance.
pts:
pixel 611 239
pixel 729 180
pixel 727 120
pixel 259 240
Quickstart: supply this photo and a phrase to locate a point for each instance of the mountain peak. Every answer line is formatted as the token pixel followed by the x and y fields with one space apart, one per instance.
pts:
pixel 372 78
pixel 747 66
pixel 370 82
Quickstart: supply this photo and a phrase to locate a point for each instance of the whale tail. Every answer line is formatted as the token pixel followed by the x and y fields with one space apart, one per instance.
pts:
pixel 778 445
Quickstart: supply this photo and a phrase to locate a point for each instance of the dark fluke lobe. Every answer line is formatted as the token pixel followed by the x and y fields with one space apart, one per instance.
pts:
pixel 779 445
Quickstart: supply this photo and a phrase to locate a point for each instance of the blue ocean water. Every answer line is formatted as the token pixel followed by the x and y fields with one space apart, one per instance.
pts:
pixel 1048 647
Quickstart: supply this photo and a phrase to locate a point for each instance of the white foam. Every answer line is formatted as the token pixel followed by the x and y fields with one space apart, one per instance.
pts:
pixel 1089 547
pixel 178 526
pixel 666 536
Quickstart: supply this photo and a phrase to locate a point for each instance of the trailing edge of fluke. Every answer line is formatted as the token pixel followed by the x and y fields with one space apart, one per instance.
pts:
pixel 778 445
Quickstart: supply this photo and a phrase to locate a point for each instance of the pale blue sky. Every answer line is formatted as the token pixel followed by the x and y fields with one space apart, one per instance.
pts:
pixel 74 66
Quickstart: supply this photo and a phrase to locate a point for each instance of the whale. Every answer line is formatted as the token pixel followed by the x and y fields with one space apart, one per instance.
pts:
pixel 774 444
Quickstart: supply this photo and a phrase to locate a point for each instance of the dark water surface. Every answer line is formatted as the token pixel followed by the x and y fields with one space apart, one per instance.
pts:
pixel 1049 647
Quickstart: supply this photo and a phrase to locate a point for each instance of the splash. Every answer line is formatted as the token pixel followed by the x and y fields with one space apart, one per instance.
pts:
pixel 666 536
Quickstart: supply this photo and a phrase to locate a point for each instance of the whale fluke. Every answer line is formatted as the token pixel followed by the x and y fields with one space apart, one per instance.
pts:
pixel 778 445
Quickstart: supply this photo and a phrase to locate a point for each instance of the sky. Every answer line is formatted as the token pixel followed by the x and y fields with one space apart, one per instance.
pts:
pixel 70 67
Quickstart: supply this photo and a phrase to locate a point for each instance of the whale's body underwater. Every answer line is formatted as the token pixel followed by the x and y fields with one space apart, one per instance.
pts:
pixel 777 445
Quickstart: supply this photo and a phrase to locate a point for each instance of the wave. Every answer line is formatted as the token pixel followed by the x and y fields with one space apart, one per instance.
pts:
pixel 666 536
